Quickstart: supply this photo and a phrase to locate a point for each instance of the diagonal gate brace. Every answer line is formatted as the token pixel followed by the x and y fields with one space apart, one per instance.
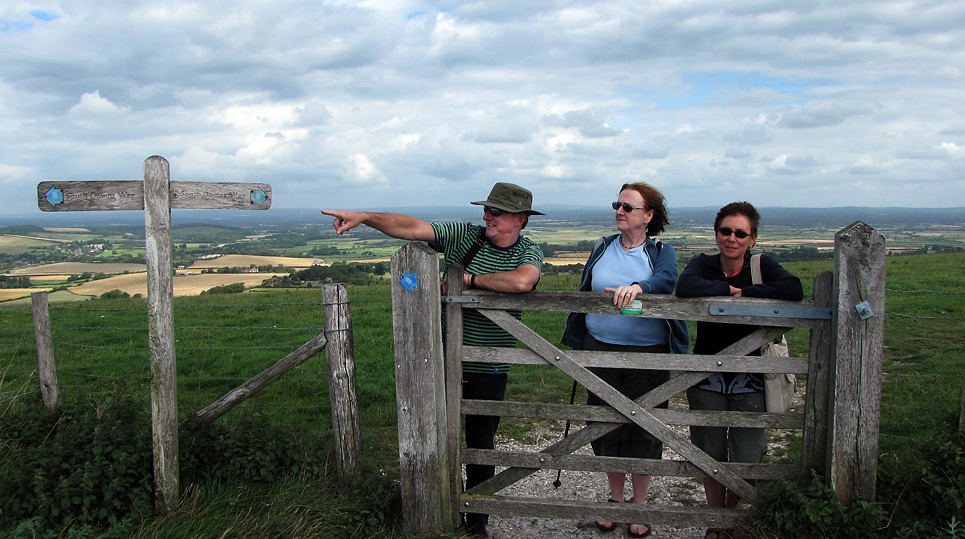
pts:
pixel 632 410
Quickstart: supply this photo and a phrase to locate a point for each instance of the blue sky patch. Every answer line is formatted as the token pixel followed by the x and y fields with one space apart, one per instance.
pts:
pixel 43 15
pixel 7 27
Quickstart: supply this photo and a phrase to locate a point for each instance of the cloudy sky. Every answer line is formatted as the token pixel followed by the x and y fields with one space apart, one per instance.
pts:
pixel 342 104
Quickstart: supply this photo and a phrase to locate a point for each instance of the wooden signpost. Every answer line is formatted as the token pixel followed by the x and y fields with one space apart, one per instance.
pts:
pixel 157 195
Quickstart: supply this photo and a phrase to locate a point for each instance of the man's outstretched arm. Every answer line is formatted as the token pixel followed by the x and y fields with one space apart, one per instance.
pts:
pixel 403 227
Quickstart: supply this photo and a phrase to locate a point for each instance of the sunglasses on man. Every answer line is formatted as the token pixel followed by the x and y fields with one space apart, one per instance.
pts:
pixel 627 207
pixel 726 231
pixel 495 212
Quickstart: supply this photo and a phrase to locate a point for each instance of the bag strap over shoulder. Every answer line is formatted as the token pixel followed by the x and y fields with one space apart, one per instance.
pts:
pixel 476 246
pixel 756 269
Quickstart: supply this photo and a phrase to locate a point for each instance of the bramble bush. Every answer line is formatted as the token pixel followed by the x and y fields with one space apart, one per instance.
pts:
pixel 809 508
pixel 88 464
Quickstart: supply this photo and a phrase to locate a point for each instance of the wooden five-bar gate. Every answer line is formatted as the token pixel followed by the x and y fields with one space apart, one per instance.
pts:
pixel 839 422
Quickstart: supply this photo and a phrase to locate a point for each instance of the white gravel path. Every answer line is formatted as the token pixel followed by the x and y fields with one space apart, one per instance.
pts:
pixel 577 485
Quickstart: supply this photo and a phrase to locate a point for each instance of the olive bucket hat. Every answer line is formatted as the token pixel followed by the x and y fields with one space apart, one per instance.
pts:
pixel 510 198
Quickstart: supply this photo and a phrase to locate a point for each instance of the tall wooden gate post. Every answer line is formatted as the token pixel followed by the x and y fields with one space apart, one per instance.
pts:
pixel 157 194
pixel 420 390
pixel 858 298
pixel 340 359
pixel 160 315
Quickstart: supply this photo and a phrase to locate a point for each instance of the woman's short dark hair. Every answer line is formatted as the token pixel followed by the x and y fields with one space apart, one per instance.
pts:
pixel 739 208
pixel 654 200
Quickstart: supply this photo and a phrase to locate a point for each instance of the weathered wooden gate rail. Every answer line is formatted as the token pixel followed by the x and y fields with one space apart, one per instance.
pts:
pixel 840 421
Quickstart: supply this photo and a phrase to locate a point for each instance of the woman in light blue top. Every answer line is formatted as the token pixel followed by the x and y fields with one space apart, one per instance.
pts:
pixel 629 264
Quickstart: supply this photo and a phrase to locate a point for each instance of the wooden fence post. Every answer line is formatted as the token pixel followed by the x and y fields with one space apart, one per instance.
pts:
pixel 46 367
pixel 160 311
pixel 420 390
pixel 340 360
pixel 816 407
pixel 858 298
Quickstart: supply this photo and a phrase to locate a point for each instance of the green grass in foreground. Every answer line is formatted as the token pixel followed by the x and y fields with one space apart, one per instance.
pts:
pixel 224 340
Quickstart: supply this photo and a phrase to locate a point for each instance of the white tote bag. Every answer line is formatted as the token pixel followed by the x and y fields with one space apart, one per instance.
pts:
pixel 778 388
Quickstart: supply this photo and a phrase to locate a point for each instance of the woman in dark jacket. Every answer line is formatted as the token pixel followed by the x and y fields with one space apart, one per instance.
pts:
pixel 728 273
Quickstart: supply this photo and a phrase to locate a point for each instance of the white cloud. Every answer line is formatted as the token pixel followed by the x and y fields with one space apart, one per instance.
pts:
pixel 362 171
pixel 92 105
pixel 327 99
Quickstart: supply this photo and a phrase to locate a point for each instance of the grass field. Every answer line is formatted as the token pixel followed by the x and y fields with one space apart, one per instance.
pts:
pixel 15 245
pixel 224 340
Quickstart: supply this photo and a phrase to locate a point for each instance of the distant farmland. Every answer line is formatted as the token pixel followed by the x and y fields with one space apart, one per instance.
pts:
pixel 77 268
pixel 184 285
pixel 245 261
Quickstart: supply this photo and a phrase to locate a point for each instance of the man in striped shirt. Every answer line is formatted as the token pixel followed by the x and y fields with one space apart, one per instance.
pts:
pixel 505 262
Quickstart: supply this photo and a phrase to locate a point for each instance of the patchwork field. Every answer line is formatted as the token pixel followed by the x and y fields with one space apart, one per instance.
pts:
pixel 15 245
pixel 76 268
pixel 184 285
pixel 244 261
pixel 7 294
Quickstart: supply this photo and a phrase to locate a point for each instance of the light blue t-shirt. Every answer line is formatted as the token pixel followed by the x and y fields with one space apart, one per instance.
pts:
pixel 617 268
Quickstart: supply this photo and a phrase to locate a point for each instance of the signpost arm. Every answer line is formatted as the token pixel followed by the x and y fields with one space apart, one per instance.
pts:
pixel 160 299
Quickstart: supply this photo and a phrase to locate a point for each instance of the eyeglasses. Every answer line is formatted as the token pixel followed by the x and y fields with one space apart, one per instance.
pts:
pixel 495 212
pixel 727 231
pixel 626 206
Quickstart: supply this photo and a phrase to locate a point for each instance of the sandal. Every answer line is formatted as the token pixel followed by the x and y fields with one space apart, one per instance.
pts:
pixel 631 533
pixel 612 526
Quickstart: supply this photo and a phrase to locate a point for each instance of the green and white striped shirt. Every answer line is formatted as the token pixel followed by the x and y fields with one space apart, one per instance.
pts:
pixel 454 240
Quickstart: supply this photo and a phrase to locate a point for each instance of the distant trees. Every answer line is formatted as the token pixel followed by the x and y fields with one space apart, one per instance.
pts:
pixel 350 273
pixel 114 294
pixel 800 253
pixel 14 282
pixel 233 288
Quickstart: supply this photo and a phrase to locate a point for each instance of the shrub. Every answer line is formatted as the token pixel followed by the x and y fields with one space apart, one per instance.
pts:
pixel 114 294
pixel 89 464
pixel 251 450
pixel 809 508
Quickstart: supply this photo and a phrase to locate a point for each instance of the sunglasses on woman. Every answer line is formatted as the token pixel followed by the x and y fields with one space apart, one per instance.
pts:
pixel 627 207
pixel 727 231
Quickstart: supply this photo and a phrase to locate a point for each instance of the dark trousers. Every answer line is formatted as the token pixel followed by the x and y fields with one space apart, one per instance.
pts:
pixel 481 432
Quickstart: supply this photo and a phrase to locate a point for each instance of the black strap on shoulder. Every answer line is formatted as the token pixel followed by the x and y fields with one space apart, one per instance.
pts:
pixel 476 246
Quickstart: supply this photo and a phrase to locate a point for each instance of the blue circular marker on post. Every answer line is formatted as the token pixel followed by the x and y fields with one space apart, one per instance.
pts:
pixel 258 196
pixel 54 196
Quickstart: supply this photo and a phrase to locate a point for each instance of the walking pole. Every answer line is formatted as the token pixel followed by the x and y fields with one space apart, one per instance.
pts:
pixel 566 432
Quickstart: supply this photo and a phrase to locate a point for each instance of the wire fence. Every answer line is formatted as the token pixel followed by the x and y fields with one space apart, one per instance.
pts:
pixel 219 346
pixel 225 343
